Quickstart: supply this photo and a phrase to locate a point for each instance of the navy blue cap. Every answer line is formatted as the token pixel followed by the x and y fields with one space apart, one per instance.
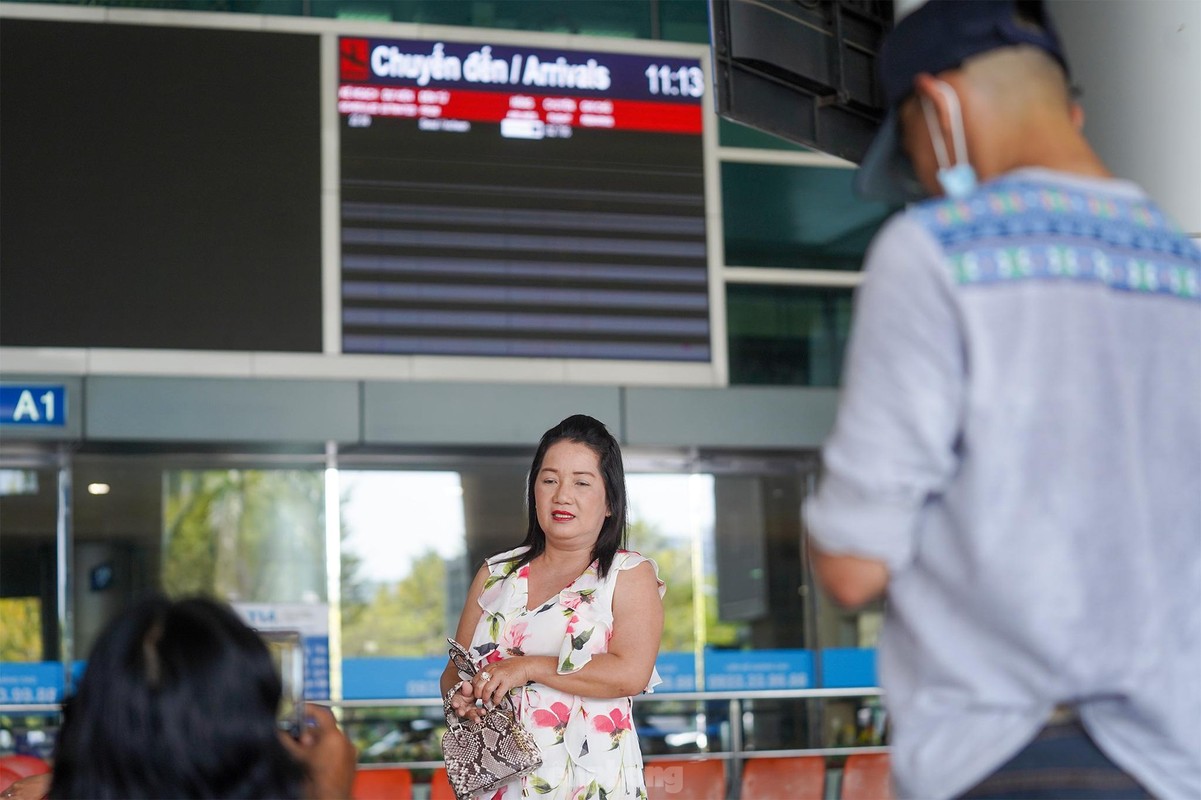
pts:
pixel 938 36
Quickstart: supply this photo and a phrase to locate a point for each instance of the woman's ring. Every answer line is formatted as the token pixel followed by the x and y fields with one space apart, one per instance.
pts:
pixel 487 676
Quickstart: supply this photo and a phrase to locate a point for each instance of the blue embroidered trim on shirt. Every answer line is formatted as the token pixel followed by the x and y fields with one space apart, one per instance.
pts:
pixel 1015 229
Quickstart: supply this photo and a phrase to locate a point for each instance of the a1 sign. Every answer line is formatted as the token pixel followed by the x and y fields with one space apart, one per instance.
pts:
pixel 33 405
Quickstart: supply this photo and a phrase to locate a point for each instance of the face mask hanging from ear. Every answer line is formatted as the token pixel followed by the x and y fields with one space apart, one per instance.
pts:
pixel 959 180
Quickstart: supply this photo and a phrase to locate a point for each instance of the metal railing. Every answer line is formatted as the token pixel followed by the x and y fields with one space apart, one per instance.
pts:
pixel 736 703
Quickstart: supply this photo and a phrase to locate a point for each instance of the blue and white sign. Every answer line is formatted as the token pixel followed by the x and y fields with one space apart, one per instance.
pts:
pixel 678 671
pixel 386 678
pixel 312 620
pixel 848 667
pixel 725 671
pixel 40 405
pixel 36 682
pixel 758 670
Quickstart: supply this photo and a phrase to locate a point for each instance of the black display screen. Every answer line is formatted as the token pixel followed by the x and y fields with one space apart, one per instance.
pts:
pixel 161 187
pixel 501 201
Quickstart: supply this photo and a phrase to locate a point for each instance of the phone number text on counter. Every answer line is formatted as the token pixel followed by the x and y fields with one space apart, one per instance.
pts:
pixel 28 694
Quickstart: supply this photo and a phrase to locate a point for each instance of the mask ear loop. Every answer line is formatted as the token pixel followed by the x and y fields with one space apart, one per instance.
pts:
pixel 958 137
pixel 940 147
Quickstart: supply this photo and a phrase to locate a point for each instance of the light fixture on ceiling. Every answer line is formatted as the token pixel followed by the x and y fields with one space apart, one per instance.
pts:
pixel 98 488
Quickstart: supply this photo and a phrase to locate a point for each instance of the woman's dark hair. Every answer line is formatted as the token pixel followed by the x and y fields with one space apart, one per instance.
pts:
pixel 179 699
pixel 592 433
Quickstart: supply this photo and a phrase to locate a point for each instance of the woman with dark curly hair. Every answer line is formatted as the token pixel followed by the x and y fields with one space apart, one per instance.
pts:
pixel 179 699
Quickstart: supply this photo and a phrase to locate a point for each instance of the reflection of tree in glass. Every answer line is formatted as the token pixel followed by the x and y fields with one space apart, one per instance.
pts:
pixel 245 535
pixel 354 589
pixel 20 629
pixel 674 557
pixel 405 618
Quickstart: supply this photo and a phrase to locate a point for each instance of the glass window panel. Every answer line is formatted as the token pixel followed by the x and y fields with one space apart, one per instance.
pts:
pixel 787 335
pixel 404 570
pixel 795 217
pixel 734 134
pixel 21 629
pixel 28 556
pixel 245 535
pixel 625 19
pixel 671 519
pixel 255 538
pixel 30 668
pixel 671 727
pixel 780 724
pixel 679 20
pixel 684 20
pixel 258 535
pixel 117 540
pixel 398 734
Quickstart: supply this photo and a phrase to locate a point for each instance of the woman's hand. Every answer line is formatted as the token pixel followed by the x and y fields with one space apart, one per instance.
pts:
pixel 328 755
pixel 493 681
pixel 463 702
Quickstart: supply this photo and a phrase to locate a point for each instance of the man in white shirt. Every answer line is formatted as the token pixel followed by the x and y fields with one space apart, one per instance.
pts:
pixel 1017 458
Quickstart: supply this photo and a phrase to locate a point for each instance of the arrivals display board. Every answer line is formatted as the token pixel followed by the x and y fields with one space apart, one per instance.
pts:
pixel 519 201
pixel 496 197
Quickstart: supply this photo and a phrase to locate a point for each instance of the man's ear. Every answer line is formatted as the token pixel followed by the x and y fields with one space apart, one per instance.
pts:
pixel 926 88
pixel 1077 113
pixel 924 85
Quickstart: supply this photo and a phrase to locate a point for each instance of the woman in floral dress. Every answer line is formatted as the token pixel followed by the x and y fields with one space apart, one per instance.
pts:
pixel 568 624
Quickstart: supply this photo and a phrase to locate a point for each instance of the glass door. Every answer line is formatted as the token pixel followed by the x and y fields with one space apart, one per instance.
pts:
pixel 31 598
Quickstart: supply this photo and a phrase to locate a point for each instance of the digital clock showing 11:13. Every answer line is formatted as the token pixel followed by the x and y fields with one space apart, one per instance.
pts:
pixel 679 82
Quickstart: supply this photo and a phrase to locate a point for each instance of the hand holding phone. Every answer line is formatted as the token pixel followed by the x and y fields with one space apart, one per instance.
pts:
pixel 327 753
pixel 287 653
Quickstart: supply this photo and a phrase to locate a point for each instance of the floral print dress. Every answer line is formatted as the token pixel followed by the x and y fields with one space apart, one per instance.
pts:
pixel 589 746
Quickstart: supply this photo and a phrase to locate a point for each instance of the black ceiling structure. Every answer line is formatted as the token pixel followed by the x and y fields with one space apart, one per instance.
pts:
pixel 803 71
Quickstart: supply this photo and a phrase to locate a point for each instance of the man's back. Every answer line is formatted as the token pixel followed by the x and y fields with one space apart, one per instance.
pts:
pixel 1017 457
pixel 1020 442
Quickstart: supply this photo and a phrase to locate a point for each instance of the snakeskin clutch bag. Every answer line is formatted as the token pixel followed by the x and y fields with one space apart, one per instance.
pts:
pixel 484 754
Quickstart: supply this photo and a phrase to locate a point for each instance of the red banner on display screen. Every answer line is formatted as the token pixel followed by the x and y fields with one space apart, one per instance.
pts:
pixel 519 112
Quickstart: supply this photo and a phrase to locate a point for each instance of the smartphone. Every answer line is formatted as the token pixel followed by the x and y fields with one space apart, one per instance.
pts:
pixel 287 654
